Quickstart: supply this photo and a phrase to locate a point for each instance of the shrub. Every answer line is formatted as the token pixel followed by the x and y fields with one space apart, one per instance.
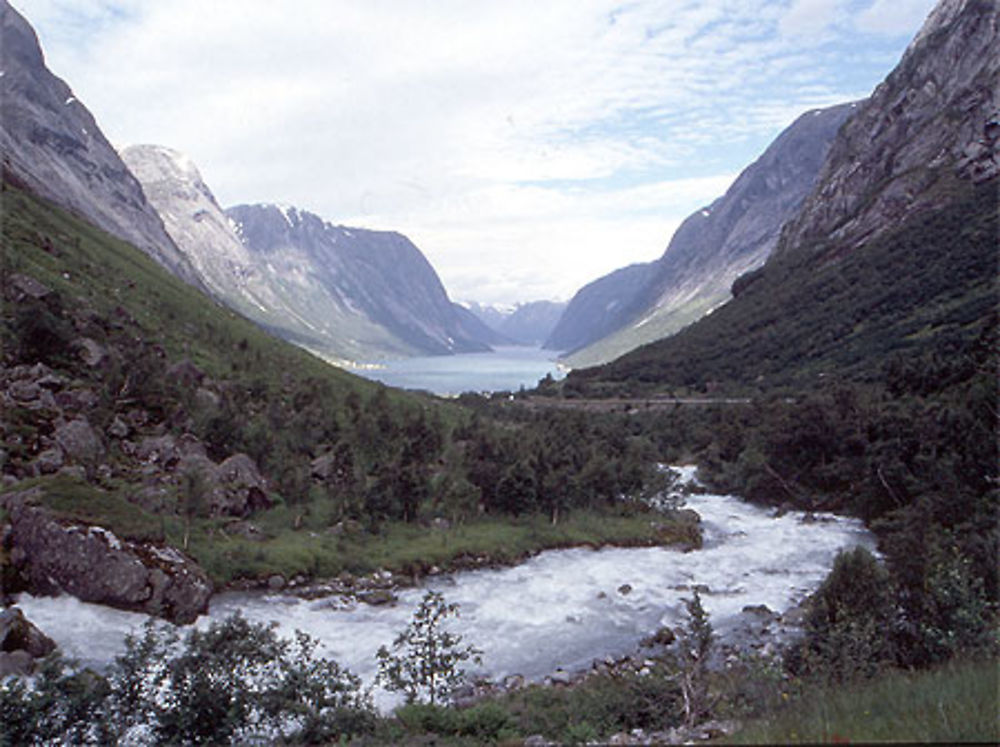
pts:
pixel 425 660
pixel 849 627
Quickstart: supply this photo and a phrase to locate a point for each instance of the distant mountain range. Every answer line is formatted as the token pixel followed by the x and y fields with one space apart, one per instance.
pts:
pixel 736 233
pixel 524 323
pixel 346 293
pixel 892 255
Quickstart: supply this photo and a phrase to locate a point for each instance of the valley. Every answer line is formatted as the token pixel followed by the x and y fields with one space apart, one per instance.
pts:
pixel 222 426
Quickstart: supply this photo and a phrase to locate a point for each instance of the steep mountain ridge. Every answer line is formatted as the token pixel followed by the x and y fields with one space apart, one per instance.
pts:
pixel 935 119
pixel 894 251
pixel 378 277
pixel 347 294
pixel 712 247
pixel 51 143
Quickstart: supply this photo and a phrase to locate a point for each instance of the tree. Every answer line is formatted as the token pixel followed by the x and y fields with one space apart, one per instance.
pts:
pixel 425 659
pixel 695 647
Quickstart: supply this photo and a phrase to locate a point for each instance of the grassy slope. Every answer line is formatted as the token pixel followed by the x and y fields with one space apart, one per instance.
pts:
pixel 954 704
pixel 808 314
pixel 105 273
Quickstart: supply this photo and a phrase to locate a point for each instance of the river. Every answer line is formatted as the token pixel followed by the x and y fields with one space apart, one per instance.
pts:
pixel 559 609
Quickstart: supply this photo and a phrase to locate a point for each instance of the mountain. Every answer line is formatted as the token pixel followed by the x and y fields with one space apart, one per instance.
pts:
pixel 346 293
pixel 712 247
pixel 369 277
pixel 891 260
pixel 934 118
pixel 50 143
pixel 524 323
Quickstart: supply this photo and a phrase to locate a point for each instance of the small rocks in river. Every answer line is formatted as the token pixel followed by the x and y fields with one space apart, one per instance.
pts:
pixel 662 637
pixel 276 582
pixel 625 589
pixel 18 633
pixel 377 597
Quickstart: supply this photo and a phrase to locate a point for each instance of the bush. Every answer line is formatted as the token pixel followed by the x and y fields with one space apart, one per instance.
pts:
pixel 850 625
pixel 235 680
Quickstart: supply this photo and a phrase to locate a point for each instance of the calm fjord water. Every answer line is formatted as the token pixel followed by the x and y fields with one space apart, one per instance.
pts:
pixel 504 369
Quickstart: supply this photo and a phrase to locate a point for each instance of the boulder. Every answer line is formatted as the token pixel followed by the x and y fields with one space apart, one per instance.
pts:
pixel 321 468
pixel 160 450
pixel 49 461
pixel 17 633
pixel 24 390
pixel 16 664
pixel 77 400
pixel 206 399
pixel 240 490
pixel 79 441
pixel 25 286
pixel 92 353
pixel 378 597
pixel 118 428
pixel 185 372
pixel 95 565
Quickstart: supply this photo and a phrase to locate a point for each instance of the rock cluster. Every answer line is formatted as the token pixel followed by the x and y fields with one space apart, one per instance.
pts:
pixel 64 437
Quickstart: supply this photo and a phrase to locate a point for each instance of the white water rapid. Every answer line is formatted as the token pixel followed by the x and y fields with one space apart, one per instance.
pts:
pixel 560 609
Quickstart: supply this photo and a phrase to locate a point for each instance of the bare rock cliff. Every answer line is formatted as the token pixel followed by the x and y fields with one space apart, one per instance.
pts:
pixel 935 119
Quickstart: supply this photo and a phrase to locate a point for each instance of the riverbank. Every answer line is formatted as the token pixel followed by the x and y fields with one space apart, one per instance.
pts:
pixel 345 559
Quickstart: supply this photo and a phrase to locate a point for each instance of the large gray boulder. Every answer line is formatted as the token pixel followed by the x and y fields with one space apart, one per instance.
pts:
pixel 79 441
pixel 95 565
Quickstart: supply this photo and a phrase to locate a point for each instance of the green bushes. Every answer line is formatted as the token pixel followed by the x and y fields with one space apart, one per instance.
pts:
pixel 851 621
pixel 236 679
pixel 426 658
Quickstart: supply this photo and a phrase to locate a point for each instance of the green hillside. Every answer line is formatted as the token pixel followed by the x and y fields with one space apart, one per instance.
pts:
pixel 931 284
pixel 170 385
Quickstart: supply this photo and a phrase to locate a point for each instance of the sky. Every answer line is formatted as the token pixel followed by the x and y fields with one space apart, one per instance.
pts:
pixel 527 147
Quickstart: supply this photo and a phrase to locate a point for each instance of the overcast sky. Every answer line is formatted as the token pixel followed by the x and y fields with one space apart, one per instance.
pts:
pixel 527 147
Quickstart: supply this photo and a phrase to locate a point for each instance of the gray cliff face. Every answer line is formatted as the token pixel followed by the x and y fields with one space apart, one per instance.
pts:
pixel 347 294
pixel 378 277
pixel 733 235
pixel 50 143
pixel 934 119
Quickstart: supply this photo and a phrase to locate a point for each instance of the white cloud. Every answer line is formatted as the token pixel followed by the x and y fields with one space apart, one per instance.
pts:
pixel 894 17
pixel 810 18
pixel 500 136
